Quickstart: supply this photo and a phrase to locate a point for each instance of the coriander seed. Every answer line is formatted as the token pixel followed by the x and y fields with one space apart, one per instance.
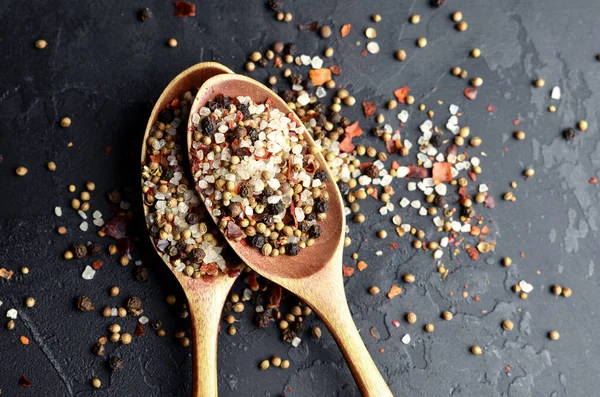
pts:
pixel 126 338
pixel 556 289
pixel 91 186
pixel 21 171
pixel 508 325
pixel 51 166
pixel 553 335
pixel 10 325
pixel 275 361
pixel 72 188
pixel 61 230
pixel 316 332
pixel 374 290
pixel 429 328
pixel 325 31
pixel 255 56
pixel 30 302
pixel 285 364
pixel 172 42
pixel 114 291
pixel 401 55
pixel 411 317
pixel 232 330
pixel 476 350
pixel 462 26
pixel 567 292
pixel 422 42
pixel 539 83
pixel 41 44
pixel 65 122
pixel 328 52
pixel 447 315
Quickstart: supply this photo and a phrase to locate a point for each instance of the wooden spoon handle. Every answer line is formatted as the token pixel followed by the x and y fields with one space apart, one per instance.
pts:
pixel 335 314
pixel 205 316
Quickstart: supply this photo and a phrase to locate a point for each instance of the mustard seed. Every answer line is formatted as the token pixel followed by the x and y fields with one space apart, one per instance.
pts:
pixel 172 42
pixel 91 186
pixel 456 71
pixel 475 141
pixel 408 278
pixel 382 234
pixel 429 328
pixel 185 341
pixel 506 261
pixel 250 66
pixel 374 290
pixel 41 44
pixel 72 188
pixel 475 52
pixel 255 56
pixel 61 230
pixel 376 18
pixel 582 125
pixel 106 312
pixel 508 325
pixel 519 135
pixel 411 317
pixel 415 19
pixel 567 292
pixel 325 32
pixel 24 270
pixel 65 122
pixel 30 302
pixel 10 325
pixel 328 52
pixel 539 83
pixel 477 82
pixel 556 289
pixel 288 17
pixel 232 330
pixel 85 196
pixel 457 16
pixel 476 350
pixel 462 26
pixel 96 383
pixel 529 172
pixel 114 291
pixel 68 255
pixel 422 42
pixel 447 316
pixel 126 338
pixel 51 166
pixel 553 335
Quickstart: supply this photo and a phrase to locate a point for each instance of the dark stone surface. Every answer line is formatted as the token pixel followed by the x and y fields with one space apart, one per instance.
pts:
pixel 102 66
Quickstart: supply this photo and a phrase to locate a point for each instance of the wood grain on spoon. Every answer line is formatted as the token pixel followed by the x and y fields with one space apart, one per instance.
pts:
pixel 205 300
pixel 315 274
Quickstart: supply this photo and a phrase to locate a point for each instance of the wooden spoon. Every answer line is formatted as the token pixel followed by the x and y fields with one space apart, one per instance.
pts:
pixel 205 300
pixel 315 274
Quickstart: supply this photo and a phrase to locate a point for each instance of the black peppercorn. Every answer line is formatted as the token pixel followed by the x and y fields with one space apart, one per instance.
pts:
pixel 253 134
pixel 321 205
pixel 209 126
pixel 288 96
pixel 198 254
pixel 276 5
pixel 440 201
pixel 166 116
pixel 570 133
pixel 228 306
pixel 296 78
pixel 438 3
pixel 134 306
pixel 315 231
pixel 245 191
pixel 304 226
pixel 335 117
pixel 290 49
pixel 85 304
pixel 311 217
pixel 321 175
pixel 98 349
pixel 79 250
pixel 288 335
pixel 276 208
pixel 277 47
pixel 298 327
pixel 372 171
pixel 154 230
pixel 344 188
pixel 240 132
pixel 114 197
pixel 192 218
pixel 142 274
pixel 145 14
pixel 292 249
pixel 267 220
pixel 223 100
pixel 156 325
pixel 258 299
pixel 94 249
pixel 213 105
pixel 308 84
pixel 263 320
pixel 115 363
pixel 468 212
pixel 257 241
pixel 319 107
pixel 436 141
pixel 245 111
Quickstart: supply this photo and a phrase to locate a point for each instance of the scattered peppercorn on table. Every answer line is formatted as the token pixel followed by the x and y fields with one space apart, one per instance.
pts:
pixel 464 141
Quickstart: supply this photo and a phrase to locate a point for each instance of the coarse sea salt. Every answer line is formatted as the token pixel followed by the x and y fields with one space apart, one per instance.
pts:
pixel 406 339
pixel 57 211
pixel 12 313
pixel 555 93
pixel 83 226
pixel 296 341
pixel 88 273
pixel 403 116
pixel 525 286
pixel 143 320
pixel 98 222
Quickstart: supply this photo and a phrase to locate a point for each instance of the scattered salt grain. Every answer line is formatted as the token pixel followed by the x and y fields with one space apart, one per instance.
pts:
pixel 403 116
pixel 406 339
pixel 12 313
pixel 525 286
pixel 320 92
pixel 296 341
pixel 98 222
pixel 57 211
pixel 404 202
pixel 555 93
pixel 114 312
pixel 97 214
pixel 88 273
pixel 453 109
pixel 379 253
pixel 143 320
pixel 373 47
pixel 303 99
pixel 316 63
pixel 305 59
pixel 82 214
pixel 83 226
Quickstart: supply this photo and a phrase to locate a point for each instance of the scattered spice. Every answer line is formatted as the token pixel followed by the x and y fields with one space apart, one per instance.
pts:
pixel 145 14
pixel 184 9
pixel 394 291
pixel 85 304
pixel 346 29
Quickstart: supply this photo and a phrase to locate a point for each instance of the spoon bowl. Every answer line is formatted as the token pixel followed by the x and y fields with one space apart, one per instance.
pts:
pixel 315 274
pixel 205 299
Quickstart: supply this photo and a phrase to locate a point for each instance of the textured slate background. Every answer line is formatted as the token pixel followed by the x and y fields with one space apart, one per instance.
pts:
pixel 101 68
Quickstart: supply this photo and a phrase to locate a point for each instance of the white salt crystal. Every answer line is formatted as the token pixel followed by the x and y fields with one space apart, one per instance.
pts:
pixel 364 180
pixel 143 320
pixel 437 254
pixel 180 268
pixel 406 339
pixel 555 93
pixel 303 99
pixel 403 116
pixel 57 211
pixel 83 226
pixel 12 313
pixel 404 202
pixel 320 92
pixel 444 242
pixel 525 286
pixel 441 189
pixel 379 253
pixel 426 126
pixel 453 109
pixel 296 341
pixel 97 214
pixel 98 222
pixel 88 273
pixel 247 295
pixel 415 204
pixel 316 62
pixel 373 47
pixel 114 312
pixel 422 211
pixel 411 186
pixel 306 60
pixel 82 214
pixel 402 171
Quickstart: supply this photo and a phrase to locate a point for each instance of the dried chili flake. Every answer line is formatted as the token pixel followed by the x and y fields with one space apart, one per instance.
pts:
pixel 594 180
pixel 278 62
pixel 233 231
pixel 393 245
pixel 252 283
pixel 476 298
pixel 275 297
pixel 6 274
pixel 347 271
pixel 395 165
pixel 394 291
pixel 369 108
pixel 473 253
pixel 470 93
pixel 24 340
pixel 361 265
pixel 185 9
pixel 346 145
pixel 97 265
pixel 491 108
pixel 417 172
pixel 139 330
pixel 393 145
pixel 116 227
pixel 24 382
pixel 401 94
pixel 311 26
pixel 396 323
pixel 374 333
pixel 108 150
pixel 354 129
pixel 442 172
pixel 335 69
pixel 472 176
pixel 489 202
pixel 345 31
pixel 319 76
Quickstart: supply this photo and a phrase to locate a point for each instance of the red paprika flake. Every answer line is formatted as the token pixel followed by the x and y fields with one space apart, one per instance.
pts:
pixel 369 108
pixel 470 93
pixel 593 180
pixel 345 31
pixel 139 330
pixel 394 291
pixel 97 265
pixel 335 69
pixel 347 271
pixel 401 94
pixel 393 245
pixel 473 253
pixel 491 108
pixel 185 9
pixel 396 323
pixel 374 333
pixel 24 382
pixel 108 150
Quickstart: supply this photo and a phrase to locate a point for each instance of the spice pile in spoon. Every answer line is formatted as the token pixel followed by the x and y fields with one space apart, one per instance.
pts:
pixel 258 175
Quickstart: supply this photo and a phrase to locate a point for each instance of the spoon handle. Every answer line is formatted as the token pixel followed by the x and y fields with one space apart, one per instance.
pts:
pixel 333 310
pixel 205 314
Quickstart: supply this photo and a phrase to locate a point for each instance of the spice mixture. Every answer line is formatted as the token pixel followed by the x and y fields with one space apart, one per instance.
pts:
pixel 258 176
